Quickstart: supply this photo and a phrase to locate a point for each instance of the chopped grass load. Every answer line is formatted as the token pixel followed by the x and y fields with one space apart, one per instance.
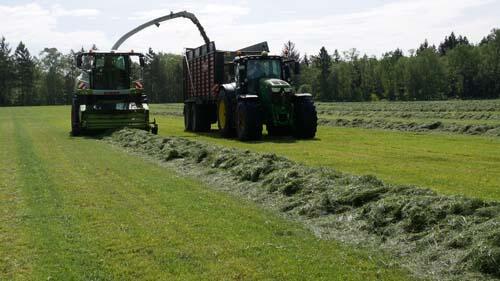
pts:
pixel 435 236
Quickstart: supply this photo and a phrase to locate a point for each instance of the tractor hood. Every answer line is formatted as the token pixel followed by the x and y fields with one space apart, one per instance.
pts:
pixel 276 86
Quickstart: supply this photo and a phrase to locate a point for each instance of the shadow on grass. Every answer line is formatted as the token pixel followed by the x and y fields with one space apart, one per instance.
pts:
pixel 265 138
pixel 94 134
pixel 100 134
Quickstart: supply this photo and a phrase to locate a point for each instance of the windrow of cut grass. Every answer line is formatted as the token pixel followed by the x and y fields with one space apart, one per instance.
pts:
pixel 435 236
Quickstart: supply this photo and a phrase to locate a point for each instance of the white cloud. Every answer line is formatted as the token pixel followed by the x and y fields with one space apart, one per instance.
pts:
pixel 38 28
pixel 398 24
pixel 59 11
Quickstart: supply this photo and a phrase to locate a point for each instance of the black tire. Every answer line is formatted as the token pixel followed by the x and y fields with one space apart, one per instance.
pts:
pixel 154 130
pixel 306 119
pixel 75 117
pixel 248 123
pixel 224 116
pixel 200 119
pixel 188 124
pixel 273 131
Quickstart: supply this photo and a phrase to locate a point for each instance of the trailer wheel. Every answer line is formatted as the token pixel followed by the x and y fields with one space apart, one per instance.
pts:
pixel 248 123
pixel 75 117
pixel 200 119
pixel 224 116
pixel 306 119
pixel 188 124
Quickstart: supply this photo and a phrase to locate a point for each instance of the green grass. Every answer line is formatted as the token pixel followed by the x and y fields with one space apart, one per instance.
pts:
pixel 450 164
pixel 78 209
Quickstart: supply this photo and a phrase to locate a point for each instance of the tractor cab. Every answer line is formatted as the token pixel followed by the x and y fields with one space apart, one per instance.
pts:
pixel 250 71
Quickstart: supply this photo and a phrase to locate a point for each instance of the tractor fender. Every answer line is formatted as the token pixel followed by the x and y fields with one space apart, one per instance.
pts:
pixel 228 88
pixel 303 95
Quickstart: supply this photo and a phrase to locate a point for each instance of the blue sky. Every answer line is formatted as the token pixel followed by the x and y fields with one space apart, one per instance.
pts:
pixel 371 26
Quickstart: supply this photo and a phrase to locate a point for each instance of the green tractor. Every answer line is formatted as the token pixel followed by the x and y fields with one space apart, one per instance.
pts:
pixel 260 94
pixel 109 93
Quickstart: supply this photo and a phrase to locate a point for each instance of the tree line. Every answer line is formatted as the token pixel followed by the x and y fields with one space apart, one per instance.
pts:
pixel 456 69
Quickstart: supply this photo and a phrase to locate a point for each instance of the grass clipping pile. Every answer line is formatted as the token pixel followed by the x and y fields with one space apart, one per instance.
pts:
pixel 441 237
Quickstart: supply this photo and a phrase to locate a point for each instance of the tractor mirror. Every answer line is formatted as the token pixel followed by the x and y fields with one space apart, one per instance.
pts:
pixel 296 68
pixel 79 61
pixel 142 62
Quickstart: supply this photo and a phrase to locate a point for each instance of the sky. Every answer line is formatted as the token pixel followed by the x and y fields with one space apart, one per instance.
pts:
pixel 371 26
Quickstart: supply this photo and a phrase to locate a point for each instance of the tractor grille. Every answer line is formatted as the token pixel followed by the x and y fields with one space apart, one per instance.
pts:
pixel 280 98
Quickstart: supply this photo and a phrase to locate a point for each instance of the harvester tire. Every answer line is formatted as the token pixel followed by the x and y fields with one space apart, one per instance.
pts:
pixel 224 116
pixel 200 119
pixel 154 130
pixel 306 119
pixel 75 117
pixel 248 123
pixel 188 124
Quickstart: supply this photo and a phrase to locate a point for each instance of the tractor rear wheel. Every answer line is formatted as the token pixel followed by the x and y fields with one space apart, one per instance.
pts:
pixel 306 119
pixel 188 124
pixel 200 119
pixel 224 116
pixel 248 123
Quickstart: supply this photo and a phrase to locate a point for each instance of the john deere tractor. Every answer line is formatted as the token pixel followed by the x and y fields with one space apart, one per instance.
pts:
pixel 109 93
pixel 261 95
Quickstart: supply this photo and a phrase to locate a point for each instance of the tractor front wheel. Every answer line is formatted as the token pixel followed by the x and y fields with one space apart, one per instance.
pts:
pixel 306 119
pixel 248 123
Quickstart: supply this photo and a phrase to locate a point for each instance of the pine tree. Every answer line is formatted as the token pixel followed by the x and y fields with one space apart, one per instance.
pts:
pixel 425 46
pixel 53 65
pixel 25 74
pixel 450 42
pixel 305 60
pixel 6 72
pixel 324 64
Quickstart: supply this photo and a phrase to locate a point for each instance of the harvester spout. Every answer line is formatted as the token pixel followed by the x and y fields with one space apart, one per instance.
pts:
pixel 157 21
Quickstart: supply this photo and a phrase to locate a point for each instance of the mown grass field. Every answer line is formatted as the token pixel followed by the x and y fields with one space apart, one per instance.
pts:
pixel 446 162
pixel 79 209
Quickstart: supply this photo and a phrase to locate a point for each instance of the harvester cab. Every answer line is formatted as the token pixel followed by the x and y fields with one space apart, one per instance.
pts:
pixel 109 93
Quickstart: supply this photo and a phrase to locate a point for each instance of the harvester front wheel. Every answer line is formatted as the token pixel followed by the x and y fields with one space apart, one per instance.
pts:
pixel 75 118
pixel 188 124
pixel 248 123
pixel 224 116
pixel 306 119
